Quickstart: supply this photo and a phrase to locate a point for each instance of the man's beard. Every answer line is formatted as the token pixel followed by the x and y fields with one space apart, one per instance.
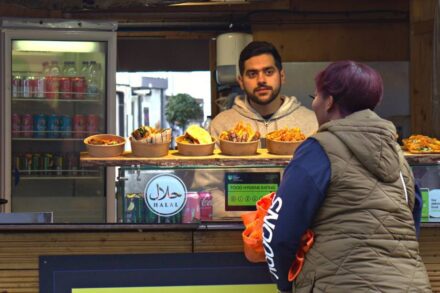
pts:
pixel 254 98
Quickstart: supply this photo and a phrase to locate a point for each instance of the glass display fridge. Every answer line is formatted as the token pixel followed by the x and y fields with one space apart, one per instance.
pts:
pixel 58 87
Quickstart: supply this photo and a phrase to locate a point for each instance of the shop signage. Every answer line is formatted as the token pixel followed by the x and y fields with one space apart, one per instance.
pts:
pixel 165 195
pixel 434 203
pixel 244 189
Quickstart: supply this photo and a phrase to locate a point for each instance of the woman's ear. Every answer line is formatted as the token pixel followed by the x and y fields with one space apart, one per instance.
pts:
pixel 329 103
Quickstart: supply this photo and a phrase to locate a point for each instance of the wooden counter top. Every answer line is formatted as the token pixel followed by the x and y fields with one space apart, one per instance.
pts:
pixel 423 159
pixel 118 227
pixel 174 159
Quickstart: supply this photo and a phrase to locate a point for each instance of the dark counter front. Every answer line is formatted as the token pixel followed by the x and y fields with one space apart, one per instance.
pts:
pixel 174 272
pixel 23 245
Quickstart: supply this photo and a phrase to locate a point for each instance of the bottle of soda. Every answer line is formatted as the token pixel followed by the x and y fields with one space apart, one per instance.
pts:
pixel 46 68
pixel 84 71
pixel 66 82
pixel 53 82
pixel 45 72
pixel 93 81
pixel 99 75
pixel 207 123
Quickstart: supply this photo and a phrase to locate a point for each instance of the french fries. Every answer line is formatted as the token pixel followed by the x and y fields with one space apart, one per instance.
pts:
pixel 286 134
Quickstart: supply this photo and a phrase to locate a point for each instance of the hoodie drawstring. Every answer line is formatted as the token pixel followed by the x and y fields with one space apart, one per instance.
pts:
pixel 404 187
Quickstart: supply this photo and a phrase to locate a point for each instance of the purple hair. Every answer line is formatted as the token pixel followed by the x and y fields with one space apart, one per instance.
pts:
pixel 354 86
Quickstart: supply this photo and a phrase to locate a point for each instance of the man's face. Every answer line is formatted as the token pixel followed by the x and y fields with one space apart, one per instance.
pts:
pixel 261 79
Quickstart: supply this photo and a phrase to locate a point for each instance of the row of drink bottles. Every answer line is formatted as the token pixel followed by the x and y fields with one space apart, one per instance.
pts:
pixel 55 164
pixel 56 83
pixel 54 126
pixel 198 208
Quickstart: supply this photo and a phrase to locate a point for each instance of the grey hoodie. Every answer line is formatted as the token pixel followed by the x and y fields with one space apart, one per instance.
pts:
pixel 290 114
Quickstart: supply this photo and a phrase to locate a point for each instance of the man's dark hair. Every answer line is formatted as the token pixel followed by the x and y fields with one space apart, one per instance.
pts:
pixel 256 48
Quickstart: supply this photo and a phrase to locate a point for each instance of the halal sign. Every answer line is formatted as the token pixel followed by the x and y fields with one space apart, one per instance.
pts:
pixel 165 195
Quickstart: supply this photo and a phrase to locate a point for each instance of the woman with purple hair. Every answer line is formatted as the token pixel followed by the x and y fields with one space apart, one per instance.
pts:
pixel 351 185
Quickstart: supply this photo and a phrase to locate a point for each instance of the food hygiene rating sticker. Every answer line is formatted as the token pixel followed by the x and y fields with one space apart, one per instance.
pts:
pixel 165 195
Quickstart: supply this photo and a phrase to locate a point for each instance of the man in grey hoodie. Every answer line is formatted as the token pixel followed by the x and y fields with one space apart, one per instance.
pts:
pixel 261 77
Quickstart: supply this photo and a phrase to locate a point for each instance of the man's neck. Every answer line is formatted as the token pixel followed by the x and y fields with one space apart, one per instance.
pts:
pixel 270 108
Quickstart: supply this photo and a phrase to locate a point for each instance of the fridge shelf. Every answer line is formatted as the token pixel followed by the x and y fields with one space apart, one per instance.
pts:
pixel 47 139
pixel 66 174
pixel 45 100
pixel 61 177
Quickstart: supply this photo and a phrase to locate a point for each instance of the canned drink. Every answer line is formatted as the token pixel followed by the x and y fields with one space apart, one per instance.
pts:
pixel 40 125
pixel 16 125
pixel 205 206
pixel 134 208
pixel 27 125
pixel 58 163
pixel 33 87
pixel 16 86
pixel 25 85
pixel 16 162
pixel 78 87
pixel 53 126
pixel 36 163
pixel 66 126
pixel 79 126
pixel 40 87
pixel 72 163
pixel 27 163
pixel 65 87
pixel 92 124
pixel 47 164
pixel 150 216
pixel 176 219
pixel 52 86
pixel 191 211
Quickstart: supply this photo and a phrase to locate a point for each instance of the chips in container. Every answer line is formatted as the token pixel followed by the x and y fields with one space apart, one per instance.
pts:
pixel 284 141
